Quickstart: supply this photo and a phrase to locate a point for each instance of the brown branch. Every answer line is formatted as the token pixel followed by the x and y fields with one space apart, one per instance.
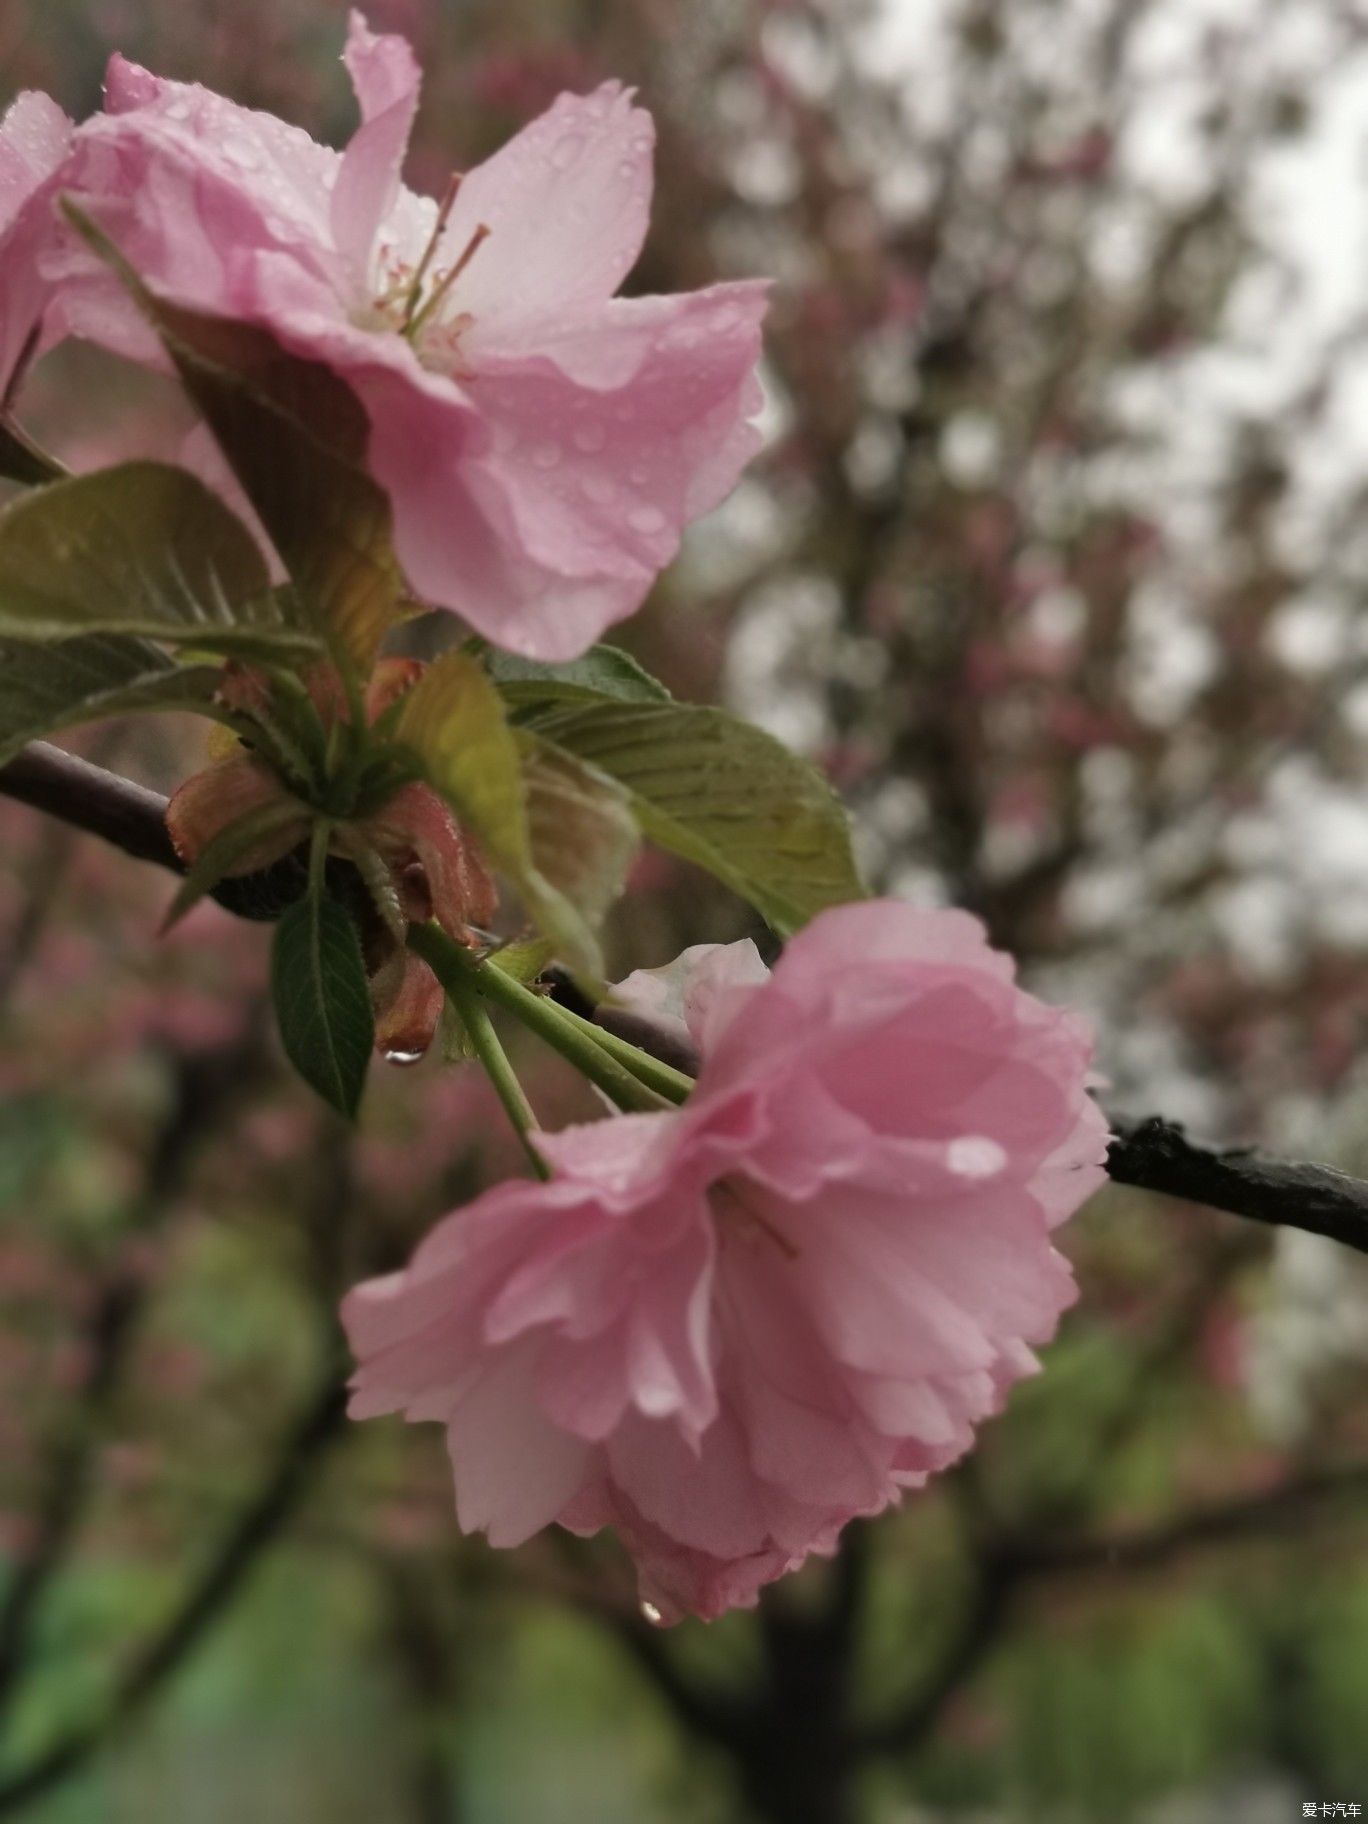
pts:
pixel 1152 1155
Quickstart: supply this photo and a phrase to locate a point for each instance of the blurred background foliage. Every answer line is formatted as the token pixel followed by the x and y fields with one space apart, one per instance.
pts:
pixel 1055 560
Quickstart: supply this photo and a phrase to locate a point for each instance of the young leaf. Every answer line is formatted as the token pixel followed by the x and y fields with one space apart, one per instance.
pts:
pixel 295 436
pixel 584 835
pixel 278 825
pixel 722 794
pixel 45 688
pixel 454 724
pixel 603 671
pixel 524 960
pixel 145 550
pixel 322 1002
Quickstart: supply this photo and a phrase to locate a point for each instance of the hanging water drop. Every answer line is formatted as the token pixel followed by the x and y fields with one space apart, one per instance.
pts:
pixel 652 1614
pixel 401 1058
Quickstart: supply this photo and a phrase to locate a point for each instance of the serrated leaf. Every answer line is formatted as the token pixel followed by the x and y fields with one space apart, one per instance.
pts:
pixel 454 723
pixel 722 794
pixel 583 832
pixel 322 1001
pixel 603 671
pixel 295 436
pixel 146 550
pixel 53 686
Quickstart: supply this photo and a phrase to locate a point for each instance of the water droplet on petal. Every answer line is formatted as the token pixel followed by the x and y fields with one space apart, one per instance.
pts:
pixel 651 1613
pixel 589 437
pixel 401 1058
pixel 975 1156
pixel 241 155
pixel 646 519
pixel 566 151
pixel 178 110
pixel 599 489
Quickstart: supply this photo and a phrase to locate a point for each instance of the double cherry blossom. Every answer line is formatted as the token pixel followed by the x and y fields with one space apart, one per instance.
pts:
pixel 543 443
pixel 728 1330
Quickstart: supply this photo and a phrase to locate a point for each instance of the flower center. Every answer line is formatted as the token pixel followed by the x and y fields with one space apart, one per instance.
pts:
pixel 734 1199
pixel 413 299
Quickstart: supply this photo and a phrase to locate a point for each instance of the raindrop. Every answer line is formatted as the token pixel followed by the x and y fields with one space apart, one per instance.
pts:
pixel 402 1058
pixel 646 519
pixel 178 110
pixel 599 489
pixel 566 151
pixel 652 1614
pixel 589 437
pixel 243 156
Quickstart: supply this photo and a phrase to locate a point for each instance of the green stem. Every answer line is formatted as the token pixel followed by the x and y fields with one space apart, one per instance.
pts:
pixel 487 1048
pixel 673 1084
pixel 450 963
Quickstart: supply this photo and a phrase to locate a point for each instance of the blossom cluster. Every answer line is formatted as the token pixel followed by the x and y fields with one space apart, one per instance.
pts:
pixel 724 1327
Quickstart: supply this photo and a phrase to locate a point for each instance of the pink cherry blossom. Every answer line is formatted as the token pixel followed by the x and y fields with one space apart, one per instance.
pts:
pixel 35 136
pixel 543 443
pixel 730 1329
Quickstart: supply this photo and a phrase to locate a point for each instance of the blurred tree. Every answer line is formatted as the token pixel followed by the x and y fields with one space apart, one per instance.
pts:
pixel 1053 558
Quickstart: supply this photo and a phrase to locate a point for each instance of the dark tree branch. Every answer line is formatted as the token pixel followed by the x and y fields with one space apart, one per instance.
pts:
pixel 1152 1155
pixel 92 799
pixel 1156 1155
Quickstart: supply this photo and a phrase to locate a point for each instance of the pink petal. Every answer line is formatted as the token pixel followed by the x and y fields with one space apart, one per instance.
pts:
pixel 566 203
pixel 386 78
pixel 514 1469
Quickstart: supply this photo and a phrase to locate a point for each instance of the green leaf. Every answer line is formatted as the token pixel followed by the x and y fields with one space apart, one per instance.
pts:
pixel 604 671
pixel 45 688
pixel 146 550
pixel 296 438
pixel 722 794
pixel 524 960
pixel 322 1001
pixel 583 831
pixel 453 722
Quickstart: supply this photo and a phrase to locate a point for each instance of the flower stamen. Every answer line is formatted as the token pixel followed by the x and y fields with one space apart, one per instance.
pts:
pixel 414 325
pixel 753 1218
pixel 415 290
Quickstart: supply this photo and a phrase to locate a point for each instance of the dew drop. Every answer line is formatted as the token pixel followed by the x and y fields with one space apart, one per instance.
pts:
pixel 599 489
pixel 401 1058
pixel 652 1614
pixel 975 1156
pixel 546 455
pixel 241 155
pixel 178 110
pixel 566 151
pixel 589 437
pixel 646 519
